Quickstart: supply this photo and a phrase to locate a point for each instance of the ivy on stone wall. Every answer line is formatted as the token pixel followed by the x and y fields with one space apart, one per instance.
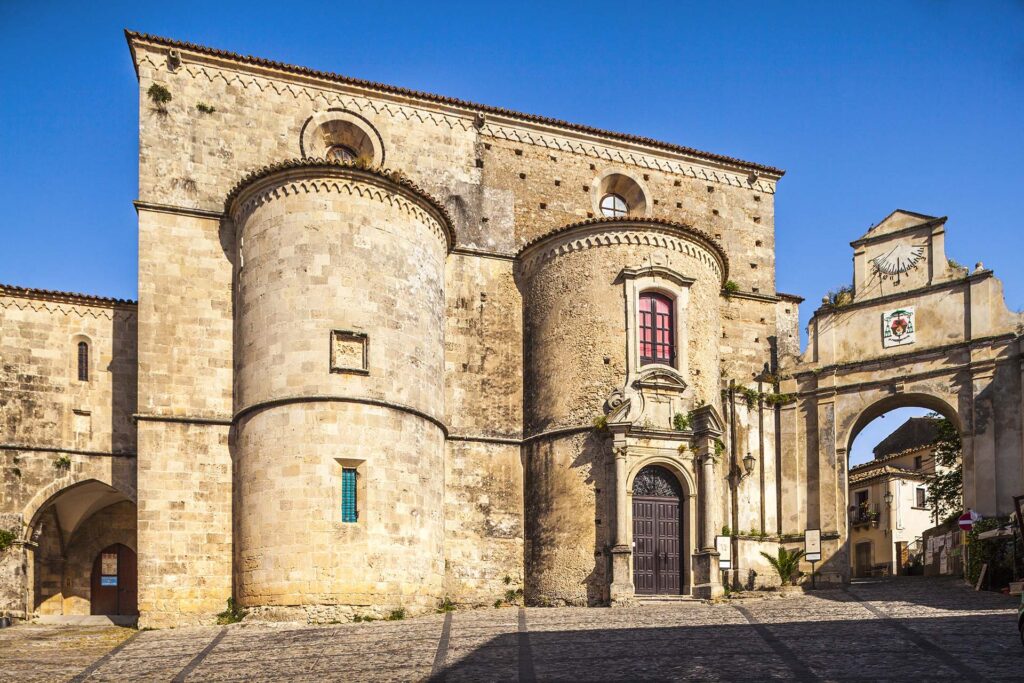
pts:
pixel 7 538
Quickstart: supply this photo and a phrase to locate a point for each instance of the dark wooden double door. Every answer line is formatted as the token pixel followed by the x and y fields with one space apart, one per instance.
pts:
pixel 114 581
pixel 657 539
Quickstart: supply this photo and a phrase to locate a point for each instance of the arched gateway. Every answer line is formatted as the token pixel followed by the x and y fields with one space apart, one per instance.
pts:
pixel 916 330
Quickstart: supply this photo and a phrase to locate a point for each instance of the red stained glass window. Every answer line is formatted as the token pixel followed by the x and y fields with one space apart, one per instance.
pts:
pixel 657 329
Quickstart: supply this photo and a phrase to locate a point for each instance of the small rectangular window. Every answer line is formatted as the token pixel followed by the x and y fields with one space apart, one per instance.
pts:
pixel 917 462
pixel 922 497
pixel 349 511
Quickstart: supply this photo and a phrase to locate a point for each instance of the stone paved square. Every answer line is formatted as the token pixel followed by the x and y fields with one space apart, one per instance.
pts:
pixel 893 629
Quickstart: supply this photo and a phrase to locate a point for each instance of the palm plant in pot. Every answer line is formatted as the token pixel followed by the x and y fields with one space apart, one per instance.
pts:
pixel 786 565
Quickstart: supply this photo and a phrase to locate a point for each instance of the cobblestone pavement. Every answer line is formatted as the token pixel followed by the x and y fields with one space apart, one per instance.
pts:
pixel 895 629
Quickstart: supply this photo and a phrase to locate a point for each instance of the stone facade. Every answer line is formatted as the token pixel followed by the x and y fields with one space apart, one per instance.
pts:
pixel 61 432
pixel 960 356
pixel 337 275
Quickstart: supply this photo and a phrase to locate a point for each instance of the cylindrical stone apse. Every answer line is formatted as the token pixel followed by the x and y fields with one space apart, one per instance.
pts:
pixel 576 284
pixel 339 385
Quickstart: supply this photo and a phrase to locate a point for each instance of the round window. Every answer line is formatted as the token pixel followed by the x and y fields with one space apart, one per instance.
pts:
pixel 614 206
pixel 341 153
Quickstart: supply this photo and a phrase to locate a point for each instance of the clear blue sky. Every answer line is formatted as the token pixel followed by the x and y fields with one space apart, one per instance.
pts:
pixel 869 106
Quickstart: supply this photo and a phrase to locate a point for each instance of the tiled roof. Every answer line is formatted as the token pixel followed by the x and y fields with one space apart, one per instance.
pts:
pixel 55 295
pixel 441 99
pixel 884 470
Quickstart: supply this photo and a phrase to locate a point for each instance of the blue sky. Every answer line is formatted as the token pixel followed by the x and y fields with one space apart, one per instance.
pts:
pixel 869 106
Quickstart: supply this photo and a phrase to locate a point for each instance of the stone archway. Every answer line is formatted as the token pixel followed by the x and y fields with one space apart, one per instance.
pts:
pixel 958 352
pixel 65 529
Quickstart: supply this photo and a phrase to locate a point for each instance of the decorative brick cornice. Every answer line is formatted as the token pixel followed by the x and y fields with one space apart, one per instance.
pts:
pixel 600 232
pixel 322 175
pixel 65 303
pixel 520 127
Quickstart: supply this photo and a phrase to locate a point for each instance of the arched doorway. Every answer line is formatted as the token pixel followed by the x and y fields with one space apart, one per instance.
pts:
pixel 114 581
pixel 657 532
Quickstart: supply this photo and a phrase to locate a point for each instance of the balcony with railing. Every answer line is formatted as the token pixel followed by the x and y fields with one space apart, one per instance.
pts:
pixel 865 515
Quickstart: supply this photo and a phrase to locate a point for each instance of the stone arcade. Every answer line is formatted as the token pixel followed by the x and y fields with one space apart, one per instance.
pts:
pixel 392 348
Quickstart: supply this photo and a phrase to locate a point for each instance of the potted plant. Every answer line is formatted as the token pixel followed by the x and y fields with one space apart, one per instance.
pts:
pixel 787 565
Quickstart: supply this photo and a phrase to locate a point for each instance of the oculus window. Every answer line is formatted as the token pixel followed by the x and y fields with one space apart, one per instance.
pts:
pixel 614 206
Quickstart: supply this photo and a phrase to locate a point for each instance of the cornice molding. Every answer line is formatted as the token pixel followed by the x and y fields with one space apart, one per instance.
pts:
pixel 66 303
pixel 602 232
pixel 59 449
pixel 499 123
pixel 177 210
pixel 971 278
pixel 331 398
pixel 307 176
pixel 871 239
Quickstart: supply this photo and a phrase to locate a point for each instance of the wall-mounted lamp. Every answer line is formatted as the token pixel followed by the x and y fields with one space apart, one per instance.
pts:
pixel 887 498
pixel 748 464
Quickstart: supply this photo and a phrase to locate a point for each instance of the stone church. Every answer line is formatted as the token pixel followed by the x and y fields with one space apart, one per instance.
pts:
pixel 393 348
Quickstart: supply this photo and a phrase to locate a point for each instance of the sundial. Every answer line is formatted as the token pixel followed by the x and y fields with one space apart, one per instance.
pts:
pixel 899 260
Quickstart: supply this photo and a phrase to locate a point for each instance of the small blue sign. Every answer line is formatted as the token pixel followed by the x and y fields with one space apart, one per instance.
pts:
pixel 108 580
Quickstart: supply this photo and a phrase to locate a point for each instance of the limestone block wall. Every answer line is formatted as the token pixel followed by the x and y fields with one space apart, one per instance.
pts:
pixel 184 513
pixel 503 178
pixel 483 520
pixel 575 343
pixel 569 515
pixel 57 431
pixel 42 401
pixel 339 363
pixel 184 406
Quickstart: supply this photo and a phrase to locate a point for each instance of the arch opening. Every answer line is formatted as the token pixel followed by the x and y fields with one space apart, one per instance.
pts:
pixel 68 532
pixel 891 456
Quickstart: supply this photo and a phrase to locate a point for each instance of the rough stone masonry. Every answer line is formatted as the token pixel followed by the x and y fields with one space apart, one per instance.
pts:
pixel 392 349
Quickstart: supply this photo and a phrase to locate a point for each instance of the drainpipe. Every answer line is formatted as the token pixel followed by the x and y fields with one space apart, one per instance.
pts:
pixel 734 485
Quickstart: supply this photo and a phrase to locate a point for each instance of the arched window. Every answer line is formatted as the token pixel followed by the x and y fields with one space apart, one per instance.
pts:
pixel 83 362
pixel 342 153
pixel 657 329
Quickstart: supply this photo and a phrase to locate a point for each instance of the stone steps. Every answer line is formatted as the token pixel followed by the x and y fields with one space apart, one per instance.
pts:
pixel 667 600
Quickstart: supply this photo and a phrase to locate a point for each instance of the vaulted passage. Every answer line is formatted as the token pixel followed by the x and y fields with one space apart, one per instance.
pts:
pixel 83 553
pixel 657 532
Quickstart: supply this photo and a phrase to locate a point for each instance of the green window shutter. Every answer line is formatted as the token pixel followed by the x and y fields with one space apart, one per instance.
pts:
pixel 349 513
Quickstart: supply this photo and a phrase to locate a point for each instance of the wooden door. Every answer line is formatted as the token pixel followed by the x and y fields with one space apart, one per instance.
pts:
pixel 645 577
pixel 657 533
pixel 863 560
pixel 666 513
pixel 114 581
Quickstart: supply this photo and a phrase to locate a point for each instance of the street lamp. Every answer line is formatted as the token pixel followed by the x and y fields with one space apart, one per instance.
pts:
pixel 748 464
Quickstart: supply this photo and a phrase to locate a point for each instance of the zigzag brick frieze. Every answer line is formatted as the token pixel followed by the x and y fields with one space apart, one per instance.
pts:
pixel 360 183
pixel 465 122
pixel 603 233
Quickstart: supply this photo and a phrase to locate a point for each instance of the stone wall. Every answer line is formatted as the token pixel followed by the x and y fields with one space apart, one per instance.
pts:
pixel 56 431
pixel 339 364
pixel 577 354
